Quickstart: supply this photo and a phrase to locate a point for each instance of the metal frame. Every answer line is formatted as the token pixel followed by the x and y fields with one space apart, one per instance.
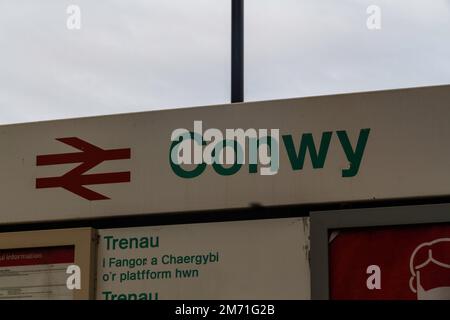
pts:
pixel 324 221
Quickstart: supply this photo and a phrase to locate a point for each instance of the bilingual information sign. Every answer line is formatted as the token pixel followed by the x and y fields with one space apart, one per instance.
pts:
pixel 261 259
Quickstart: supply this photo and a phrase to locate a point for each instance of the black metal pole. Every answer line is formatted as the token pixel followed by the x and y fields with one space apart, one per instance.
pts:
pixel 237 51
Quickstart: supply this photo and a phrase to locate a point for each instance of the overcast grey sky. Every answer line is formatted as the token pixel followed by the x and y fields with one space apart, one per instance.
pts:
pixel 136 55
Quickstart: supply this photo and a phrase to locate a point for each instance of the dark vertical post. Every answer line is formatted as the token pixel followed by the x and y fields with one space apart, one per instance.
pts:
pixel 237 51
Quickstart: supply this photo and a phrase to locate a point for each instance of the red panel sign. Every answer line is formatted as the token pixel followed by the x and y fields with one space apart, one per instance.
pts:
pixel 37 256
pixel 391 263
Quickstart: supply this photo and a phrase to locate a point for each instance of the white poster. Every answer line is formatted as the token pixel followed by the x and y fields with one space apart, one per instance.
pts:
pixel 35 273
pixel 260 259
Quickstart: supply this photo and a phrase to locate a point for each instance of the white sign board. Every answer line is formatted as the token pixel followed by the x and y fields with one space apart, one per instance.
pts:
pixel 35 273
pixel 352 147
pixel 260 259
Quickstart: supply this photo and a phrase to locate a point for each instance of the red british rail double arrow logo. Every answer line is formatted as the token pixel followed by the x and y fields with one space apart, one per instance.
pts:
pixel 76 179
